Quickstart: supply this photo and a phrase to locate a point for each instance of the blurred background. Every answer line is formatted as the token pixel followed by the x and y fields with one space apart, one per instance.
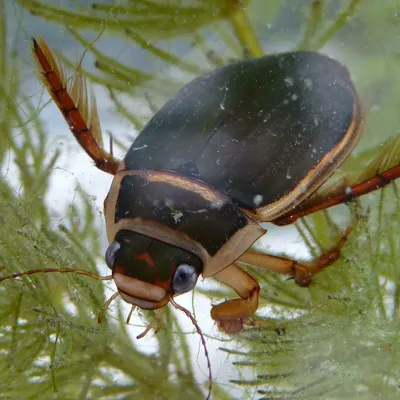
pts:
pixel 337 339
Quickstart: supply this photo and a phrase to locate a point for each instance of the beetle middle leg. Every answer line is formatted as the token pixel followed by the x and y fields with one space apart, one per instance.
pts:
pixel 301 271
pixel 232 314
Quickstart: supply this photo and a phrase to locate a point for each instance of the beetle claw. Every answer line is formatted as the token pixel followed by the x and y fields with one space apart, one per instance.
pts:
pixel 303 276
pixel 234 326
pixel 231 326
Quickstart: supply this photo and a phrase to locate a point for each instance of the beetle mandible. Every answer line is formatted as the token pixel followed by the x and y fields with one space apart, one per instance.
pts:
pixel 247 143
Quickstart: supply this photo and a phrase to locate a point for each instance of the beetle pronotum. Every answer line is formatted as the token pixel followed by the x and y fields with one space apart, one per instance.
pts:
pixel 249 142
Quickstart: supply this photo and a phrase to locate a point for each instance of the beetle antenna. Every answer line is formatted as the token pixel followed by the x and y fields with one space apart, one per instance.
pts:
pixel 194 322
pixel 105 307
pixel 61 271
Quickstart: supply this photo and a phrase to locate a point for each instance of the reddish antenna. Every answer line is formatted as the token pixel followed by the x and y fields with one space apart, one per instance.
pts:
pixel 61 271
pixel 203 342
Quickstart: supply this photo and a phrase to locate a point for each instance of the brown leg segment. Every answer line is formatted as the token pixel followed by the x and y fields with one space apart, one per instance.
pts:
pixel 232 314
pixel 301 271
pixel 74 105
pixel 342 195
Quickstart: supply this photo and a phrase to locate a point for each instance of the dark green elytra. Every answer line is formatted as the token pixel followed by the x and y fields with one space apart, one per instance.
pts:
pixel 253 129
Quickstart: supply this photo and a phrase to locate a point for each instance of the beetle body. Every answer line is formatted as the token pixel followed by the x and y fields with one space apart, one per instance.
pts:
pixel 247 143
pixel 242 144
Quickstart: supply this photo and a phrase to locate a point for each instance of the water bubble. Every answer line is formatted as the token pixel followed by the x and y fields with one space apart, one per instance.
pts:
pixel 289 81
pixel 257 199
pixel 308 82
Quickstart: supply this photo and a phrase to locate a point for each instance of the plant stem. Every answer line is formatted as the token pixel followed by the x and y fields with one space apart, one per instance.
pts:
pixel 312 25
pixel 338 24
pixel 244 31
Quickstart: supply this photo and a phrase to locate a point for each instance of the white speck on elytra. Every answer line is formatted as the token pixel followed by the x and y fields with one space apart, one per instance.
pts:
pixel 257 199
pixel 177 216
pixel 289 81
pixel 139 148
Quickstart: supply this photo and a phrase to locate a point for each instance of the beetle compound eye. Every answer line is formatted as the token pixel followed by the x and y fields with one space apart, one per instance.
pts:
pixel 185 278
pixel 111 253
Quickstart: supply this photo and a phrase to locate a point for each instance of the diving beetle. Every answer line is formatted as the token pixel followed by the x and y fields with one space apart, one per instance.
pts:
pixel 246 143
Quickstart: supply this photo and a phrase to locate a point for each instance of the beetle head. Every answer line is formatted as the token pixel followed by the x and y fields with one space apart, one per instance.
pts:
pixel 147 271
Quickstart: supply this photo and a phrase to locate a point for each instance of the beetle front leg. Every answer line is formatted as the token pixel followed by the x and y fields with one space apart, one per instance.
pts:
pixel 232 314
pixel 301 271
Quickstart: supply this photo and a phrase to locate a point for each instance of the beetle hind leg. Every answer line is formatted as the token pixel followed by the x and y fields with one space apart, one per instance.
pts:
pixel 338 193
pixel 301 271
pixel 232 314
pixel 77 104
